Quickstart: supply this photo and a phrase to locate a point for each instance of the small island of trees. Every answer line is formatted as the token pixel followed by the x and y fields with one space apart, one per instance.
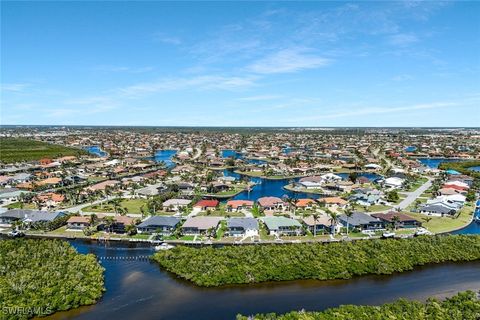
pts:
pixel 39 277
pixel 209 266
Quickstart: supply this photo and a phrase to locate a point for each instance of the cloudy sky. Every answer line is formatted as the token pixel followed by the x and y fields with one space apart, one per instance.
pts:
pixel 241 63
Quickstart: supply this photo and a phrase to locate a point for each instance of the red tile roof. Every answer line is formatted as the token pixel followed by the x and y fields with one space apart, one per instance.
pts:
pixel 207 203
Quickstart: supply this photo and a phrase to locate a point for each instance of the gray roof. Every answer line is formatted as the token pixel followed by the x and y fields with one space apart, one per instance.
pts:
pixel 31 215
pixel 159 221
pixel 202 222
pixel 357 219
pixel 437 208
pixel 245 223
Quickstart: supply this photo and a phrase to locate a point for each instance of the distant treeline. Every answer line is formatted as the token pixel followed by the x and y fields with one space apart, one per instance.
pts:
pixel 20 149
pixel 209 266
pixel 463 306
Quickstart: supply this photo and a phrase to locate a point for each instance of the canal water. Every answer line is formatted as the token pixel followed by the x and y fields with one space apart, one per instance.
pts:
pixel 435 162
pixel 165 156
pixel 96 150
pixel 141 290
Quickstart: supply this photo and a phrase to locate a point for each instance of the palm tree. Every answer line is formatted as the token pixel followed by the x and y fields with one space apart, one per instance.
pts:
pixel 315 217
pixel 348 213
pixel 116 205
pixel 333 221
pixel 395 220
pixel 108 223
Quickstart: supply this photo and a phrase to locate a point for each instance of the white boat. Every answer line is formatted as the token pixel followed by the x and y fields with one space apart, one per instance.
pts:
pixel 388 235
pixel 163 246
pixel 422 232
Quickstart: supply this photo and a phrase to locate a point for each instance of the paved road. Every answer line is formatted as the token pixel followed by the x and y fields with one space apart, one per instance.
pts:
pixel 412 196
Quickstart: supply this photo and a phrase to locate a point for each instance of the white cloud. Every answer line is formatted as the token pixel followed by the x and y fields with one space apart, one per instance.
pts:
pixel 207 82
pixel 377 110
pixel 161 37
pixel 107 68
pixel 287 61
pixel 402 77
pixel 260 98
pixel 14 87
pixel 403 39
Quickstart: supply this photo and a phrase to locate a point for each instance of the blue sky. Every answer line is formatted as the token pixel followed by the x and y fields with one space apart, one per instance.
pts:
pixel 241 63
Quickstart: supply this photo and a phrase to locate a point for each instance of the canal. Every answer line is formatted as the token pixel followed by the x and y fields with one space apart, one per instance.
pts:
pixel 141 290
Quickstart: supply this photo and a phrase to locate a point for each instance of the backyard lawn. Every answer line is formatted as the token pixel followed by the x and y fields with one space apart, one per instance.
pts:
pixel 132 206
pixel 445 224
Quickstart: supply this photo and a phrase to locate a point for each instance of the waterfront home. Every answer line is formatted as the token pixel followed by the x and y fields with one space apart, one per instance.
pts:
pixel 438 209
pixel 306 184
pixel 271 204
pixel 201 225
pixel 159 224
pixel 361 221
pixel 242 227
pixel 282 226
pixel 119 224
pixel 78 223
pixel 239 205
pixel 404 221
pixel 393 182
pixel 28 217
pixel 373 166
pixel 322 224
pixel 206 205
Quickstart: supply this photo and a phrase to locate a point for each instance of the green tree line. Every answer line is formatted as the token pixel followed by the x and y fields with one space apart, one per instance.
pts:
pixel 208 266
pixel 463 306
pixel 39 277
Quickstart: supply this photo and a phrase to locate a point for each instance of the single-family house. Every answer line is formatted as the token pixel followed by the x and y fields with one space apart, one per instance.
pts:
pixel 239 205
pixel 271 203
pixel 404 221
pixel 206 205
pixel 159 224
pixel 242 227
pixel 361 221
pixel 282 226
pixel 201 225
pixel 78 223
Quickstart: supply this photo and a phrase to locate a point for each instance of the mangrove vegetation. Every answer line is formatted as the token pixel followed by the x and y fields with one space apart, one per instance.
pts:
pixel 39 277
pixel 463 306
pixel 208 266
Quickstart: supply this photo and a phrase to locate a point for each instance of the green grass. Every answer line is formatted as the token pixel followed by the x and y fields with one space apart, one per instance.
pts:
pixel 132 205
pixel 445 224
pixel 16 150
pixel 18 205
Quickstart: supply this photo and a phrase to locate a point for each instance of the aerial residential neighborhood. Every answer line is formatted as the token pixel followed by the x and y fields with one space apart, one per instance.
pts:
pixel 131 191
pixel 248 160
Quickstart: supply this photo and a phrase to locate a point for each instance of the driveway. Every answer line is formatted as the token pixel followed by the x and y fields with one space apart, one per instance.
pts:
pixel 412 196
